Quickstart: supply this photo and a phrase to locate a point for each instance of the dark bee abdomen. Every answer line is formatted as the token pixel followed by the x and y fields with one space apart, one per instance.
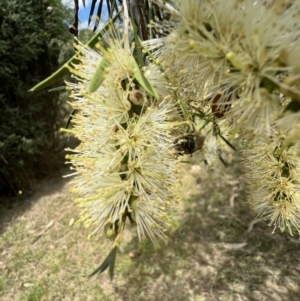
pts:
pixel 185 145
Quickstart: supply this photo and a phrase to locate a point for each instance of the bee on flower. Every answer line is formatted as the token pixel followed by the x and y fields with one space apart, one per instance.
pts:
pixel 232 64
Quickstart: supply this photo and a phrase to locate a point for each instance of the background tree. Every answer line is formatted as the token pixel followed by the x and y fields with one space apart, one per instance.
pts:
pixel 34 41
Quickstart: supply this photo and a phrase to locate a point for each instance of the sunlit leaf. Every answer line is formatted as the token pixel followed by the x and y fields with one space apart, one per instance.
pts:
pixel 99 75
pixel 53 78
pixel 57 89
pixel 63 70
pixel 142 80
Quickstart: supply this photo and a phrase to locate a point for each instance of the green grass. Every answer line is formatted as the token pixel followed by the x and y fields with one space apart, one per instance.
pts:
pixel 34 293
pixel 202 261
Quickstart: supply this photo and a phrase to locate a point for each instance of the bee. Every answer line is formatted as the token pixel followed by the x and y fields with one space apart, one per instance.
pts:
pixel 187 144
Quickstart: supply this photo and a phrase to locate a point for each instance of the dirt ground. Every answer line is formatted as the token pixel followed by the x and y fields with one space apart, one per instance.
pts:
pixel 218 252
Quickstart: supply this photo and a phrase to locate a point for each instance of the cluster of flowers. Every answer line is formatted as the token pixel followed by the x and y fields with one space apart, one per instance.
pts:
pixel 236 64
pixel 126 165
pixel 230 67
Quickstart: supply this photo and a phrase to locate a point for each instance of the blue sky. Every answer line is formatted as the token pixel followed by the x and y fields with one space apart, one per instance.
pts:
pixel 83 13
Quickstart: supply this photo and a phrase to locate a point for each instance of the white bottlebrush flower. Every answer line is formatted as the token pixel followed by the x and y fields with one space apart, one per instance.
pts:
pixel 289 122
pixel 126 165
pixel 271 171
pixel 158 80
pixel 214 46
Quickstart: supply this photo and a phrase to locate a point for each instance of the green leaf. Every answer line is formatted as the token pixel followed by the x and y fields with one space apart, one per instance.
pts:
pixel 83 2
pixel 113 7
pixel 98 16
pixel 109 261
pixel 53 78
pixel 139 54
pixel 63 70
pixel 99 75
pixel 142 80
pixel 57 89
pixel 92 10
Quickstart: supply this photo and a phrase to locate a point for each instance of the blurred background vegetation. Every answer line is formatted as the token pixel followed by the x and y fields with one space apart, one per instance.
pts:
pixel 34 42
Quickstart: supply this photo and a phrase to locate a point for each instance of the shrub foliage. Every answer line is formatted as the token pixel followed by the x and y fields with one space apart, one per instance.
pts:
pixel 32 33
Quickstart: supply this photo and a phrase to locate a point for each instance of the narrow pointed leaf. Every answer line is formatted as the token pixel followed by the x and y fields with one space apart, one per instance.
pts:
pixel 63 70
pixel 112 263
pixel 83 2
pixel 53 78
pixel 113 7
pixel 103 266
pixel 108 8
pixel 57 89
pixel 94 39
pixel 99 75
pixel 139 54
pixel 98 16
pixel 142 80
pixel 92 10
pixel 109 261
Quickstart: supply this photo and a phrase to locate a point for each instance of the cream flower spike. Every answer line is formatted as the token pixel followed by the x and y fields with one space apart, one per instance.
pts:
pixel 272 171
pixel 111 140
pixel 216 45
pixel 126 168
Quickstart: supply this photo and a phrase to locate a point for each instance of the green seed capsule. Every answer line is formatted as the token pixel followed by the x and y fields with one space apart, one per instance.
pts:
pixel 109 231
